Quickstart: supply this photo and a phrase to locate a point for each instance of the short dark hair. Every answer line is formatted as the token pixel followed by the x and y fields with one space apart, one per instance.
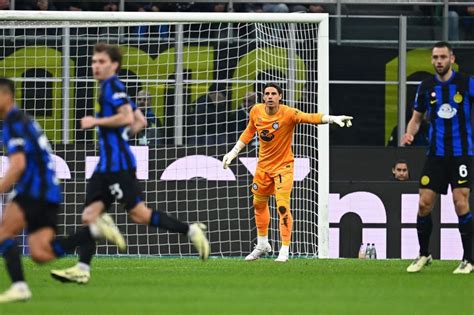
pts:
pixel 7 85
pixel 112 51
pixel 443 44
pixel 273 85
pixel 400 161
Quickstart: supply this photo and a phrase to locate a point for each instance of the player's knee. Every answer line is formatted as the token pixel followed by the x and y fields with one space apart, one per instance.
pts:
pixel 139 219
pixel 425 206
pixel 283 206
pixel 282 210
pixel 140 214
pixel 424 210
pixel 5 233
pixel 460 204
pixel 39 256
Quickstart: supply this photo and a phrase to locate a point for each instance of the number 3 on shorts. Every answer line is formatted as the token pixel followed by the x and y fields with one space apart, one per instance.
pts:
pixel 462 170
pixel 116 191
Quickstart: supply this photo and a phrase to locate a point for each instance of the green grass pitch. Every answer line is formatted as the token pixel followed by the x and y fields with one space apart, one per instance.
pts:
pixel 232 286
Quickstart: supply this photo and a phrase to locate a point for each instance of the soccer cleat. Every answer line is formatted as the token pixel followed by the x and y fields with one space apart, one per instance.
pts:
pixel 199 240
pixel 15 294
pixel 419 263
pixel 73 274
pixel 258 251
pixel 465 267
pixel 107 227
pixel 282 258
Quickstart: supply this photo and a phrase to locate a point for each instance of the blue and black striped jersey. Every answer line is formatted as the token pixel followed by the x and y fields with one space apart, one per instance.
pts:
pixel 38 181
pixel 449 110
pixel 115 153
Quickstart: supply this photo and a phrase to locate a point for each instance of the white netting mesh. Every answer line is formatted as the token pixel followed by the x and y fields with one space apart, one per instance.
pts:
pixel 200 81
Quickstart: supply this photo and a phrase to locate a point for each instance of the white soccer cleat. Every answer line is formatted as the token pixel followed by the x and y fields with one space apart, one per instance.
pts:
pixel 282 258
pixel 464 267
pixel 15 294
pixel 73 274
pixel 419 263
pixel 199 239
pixel 259 251
pixel 107 227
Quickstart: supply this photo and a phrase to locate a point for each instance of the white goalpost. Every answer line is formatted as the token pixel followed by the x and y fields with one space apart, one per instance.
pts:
pixel 196 76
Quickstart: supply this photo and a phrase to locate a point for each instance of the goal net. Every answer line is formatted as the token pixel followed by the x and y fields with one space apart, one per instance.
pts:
pixel 195 76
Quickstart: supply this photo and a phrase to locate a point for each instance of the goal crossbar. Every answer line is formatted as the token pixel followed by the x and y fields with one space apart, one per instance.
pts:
pixel 178 17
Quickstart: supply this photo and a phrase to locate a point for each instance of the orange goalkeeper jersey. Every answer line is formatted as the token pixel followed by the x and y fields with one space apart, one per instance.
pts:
pixel 275 134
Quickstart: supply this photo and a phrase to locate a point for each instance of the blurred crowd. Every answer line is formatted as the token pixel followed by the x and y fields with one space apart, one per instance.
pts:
pixel 460 18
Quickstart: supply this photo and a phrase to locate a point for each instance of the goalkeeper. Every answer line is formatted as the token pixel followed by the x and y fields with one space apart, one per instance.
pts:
pixel 275 124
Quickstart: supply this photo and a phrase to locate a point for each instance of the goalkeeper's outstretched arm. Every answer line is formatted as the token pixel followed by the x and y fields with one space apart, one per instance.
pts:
pixel 341 120
pixel 319 118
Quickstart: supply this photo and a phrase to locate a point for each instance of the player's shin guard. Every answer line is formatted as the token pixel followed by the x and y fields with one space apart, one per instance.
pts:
pixel 11 254
pixel 162 220
pixel 465 228
pixel 262 214
pixel 286 219
pixel 83 236
pixel 424 226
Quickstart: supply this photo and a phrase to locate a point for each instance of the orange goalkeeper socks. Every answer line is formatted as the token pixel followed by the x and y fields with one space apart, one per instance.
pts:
pixel 286 219
pixel 262 214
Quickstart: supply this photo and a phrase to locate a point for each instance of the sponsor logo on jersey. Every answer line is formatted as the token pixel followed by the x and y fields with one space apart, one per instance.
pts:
pixel 16 142
pixel 265 135
pixel 119 95
pixel 446 111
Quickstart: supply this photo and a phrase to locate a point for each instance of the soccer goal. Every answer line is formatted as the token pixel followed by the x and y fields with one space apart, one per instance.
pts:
pixel 196 76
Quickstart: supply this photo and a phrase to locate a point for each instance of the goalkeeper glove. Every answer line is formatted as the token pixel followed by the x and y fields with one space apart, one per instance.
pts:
pixel 340 120
pixel 233 153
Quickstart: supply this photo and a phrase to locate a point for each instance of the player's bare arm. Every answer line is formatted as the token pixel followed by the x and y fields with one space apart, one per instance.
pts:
pixel 14 172
pixel 412 128
pixel 124 117
pixel 139 122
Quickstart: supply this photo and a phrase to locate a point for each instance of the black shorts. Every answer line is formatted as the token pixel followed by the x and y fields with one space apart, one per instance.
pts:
pixel 121 186
pixel 439 172
pixel 38 213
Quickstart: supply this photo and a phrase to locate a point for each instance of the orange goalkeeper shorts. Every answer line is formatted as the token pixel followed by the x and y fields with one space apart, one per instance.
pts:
pixel 267 184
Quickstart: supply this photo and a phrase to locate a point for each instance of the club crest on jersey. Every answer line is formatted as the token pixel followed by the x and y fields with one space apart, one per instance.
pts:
pixel 457 98
pixel 446 111
pixel 275 125
pixel 255 186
